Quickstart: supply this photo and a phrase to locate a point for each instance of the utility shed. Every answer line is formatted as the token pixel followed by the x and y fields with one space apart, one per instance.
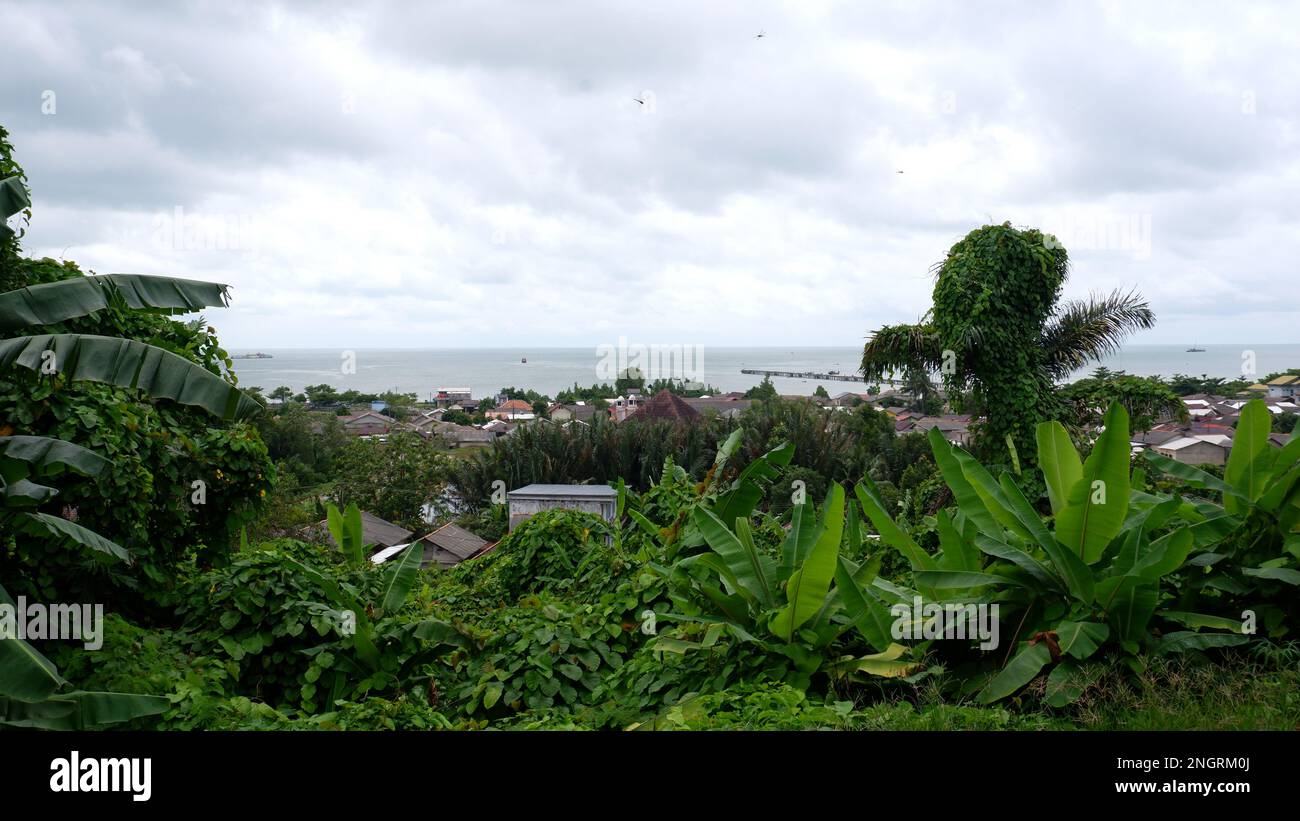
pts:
pixel 598 499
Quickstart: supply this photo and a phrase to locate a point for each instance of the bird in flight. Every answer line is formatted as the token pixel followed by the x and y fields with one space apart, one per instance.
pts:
pixel 639 100
pixel 761 34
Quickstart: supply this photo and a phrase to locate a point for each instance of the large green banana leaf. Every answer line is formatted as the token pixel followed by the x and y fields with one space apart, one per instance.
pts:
pixel 25 674
pixel 1086 525
pixel 53 302
pixel 746 492
pixel 968 499
pixel 889 530
pixel 13 198
pixel 80 710
pixel 24 493
pixel 1059 461
pixel 63 531
pixel 397 584
pixel 22 456
pixel 1250 457
pixel 753 570
pixel 130 364
pixel 807 587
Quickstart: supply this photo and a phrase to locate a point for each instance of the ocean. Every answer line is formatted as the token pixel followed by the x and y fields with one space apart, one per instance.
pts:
pixel 548 370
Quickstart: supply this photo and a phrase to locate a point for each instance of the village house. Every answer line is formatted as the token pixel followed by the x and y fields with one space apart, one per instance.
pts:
pixel 666 405
pixel 366 423
pixel 450 545
pixel 1210 449
pixel 462 436
pixel 725 407
pixel 954 427
pixel 511 410
pixel 623 407
pixel 449 397
pixel 1287 386
pixel 582 412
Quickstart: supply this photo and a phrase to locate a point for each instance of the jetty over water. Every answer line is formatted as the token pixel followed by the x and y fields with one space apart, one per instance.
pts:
pixel 826 377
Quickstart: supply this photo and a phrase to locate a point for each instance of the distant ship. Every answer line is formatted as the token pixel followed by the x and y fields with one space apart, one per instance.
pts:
pixel 524 361
pixel 258 355
pixel 1195 349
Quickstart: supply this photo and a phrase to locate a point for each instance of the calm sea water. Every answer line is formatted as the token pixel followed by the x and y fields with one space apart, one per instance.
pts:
pixel 548 370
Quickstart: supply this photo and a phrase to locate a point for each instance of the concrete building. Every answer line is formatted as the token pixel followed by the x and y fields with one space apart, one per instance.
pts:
pixel 526 501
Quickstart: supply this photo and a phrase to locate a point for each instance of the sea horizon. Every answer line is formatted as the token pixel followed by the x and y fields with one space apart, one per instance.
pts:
pixel 549 369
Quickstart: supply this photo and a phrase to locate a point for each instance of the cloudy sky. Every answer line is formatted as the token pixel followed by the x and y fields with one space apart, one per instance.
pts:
pixel 505 173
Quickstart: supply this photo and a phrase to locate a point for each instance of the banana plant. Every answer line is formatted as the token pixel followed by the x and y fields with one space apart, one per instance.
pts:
pixel 1090 579
pixel 359 617
pixel 1247 550
pixel 797 604
pixel 32 694
pixel 730 500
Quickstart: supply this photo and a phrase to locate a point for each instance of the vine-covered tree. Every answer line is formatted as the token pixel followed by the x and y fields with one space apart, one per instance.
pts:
pixel 998 334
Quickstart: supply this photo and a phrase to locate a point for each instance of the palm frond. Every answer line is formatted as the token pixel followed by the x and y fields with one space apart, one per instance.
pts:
pixel 900 347
pixel 1086 330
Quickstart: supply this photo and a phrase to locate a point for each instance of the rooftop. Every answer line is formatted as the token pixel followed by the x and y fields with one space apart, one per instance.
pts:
pixel 567 491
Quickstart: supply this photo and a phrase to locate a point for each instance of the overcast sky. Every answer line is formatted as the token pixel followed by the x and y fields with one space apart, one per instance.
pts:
pixel 482 174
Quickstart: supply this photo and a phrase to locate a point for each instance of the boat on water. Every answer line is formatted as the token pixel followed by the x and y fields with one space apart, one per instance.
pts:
pixel 1195 349
pixel 258 355
pixel 523 361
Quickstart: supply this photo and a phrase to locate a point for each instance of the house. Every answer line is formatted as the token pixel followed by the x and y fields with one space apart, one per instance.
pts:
pixel 721 406
pixel 366 423
pixel 954 427
pixel 850 400
pixel 623 407
pixel 1209 449
pixel 450 545
pixel 463 436
pixel 665 405
pixel 447 397
pixel 512 409
pixel 527 501
pixel 495 427
pixel 1287 385
pixel 575 412
pixel 374 531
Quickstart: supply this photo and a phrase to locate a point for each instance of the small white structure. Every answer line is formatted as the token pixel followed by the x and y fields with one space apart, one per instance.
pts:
pixel 526 501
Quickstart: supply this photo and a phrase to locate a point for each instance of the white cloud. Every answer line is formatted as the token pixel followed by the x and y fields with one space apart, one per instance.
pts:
pixel 376 174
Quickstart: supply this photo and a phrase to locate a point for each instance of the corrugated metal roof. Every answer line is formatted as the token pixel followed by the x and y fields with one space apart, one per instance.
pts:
pixel 563 491
pixel 455 540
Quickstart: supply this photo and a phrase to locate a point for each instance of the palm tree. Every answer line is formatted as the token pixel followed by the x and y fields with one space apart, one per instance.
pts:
pixel 998 333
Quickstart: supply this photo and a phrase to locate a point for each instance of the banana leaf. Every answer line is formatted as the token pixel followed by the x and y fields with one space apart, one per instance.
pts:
pixel 889 531
pixel 1251 456
pixel 1021 670
pixel 65 532
pixel 46 457
pixel 25 674
pixel 752 570
pixel 53 302
pixel 398 582
pixel 807 587
pixel 1059 462
pixel 1084 525
pixel 80 710
pixel 126 363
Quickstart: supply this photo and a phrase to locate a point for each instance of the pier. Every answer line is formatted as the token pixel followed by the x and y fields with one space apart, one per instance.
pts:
pixel 824 377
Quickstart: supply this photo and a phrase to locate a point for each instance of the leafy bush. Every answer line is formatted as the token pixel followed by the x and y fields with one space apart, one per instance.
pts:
pixel 556 549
